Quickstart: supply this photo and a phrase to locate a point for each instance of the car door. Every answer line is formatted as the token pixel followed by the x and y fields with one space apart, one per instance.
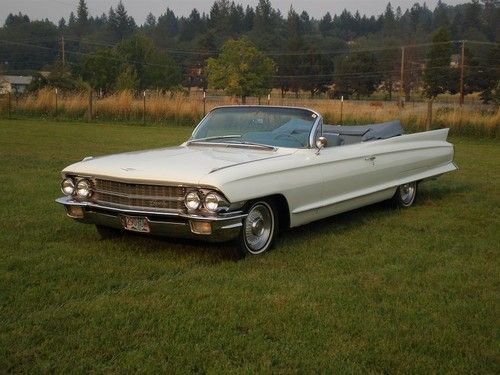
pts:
pixel 349 172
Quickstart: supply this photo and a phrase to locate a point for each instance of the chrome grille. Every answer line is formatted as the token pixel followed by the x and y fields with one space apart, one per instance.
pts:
pixel 114 193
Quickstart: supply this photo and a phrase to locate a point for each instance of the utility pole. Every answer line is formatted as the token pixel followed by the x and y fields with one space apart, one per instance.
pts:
pixel 63 52
pixel 462 66
pixel 402 89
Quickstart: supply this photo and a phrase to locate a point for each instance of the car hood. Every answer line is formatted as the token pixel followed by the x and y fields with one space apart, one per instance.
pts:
pixel 182 165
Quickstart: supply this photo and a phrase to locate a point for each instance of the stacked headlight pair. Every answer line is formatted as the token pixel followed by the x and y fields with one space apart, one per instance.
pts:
pixel 81 188
pixel 194 200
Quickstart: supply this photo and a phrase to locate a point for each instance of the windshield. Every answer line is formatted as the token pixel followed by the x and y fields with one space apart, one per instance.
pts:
pixel 272 126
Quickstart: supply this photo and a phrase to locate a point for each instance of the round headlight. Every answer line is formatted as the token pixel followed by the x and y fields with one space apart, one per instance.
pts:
pixel 192 200
pixel 68 186
pixel 211 202
pixel 83 188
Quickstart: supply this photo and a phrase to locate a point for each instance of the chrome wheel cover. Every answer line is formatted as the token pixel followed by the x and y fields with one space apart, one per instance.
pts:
pixel 259 228
pixel 407 193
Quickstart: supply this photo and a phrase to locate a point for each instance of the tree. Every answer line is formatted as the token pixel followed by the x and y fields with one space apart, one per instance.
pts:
pixel 14 20
pixel 162 72
pixel 102 68
pixel 389 64
pixel 82 18
pixel 440 16
pixel 490 78
pixel 267 25
pixel 241 70
pixel 357 75
pixel 64 80
pixel 325 25
pixel 153 69
pixel 150 22
pixel 126 80
pixel 120 23
pixel 437 71
pixel 389 20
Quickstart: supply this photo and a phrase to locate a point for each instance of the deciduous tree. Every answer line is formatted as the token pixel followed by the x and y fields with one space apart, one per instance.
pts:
pixel 241 70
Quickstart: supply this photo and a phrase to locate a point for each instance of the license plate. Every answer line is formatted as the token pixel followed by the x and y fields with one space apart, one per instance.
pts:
pixel 135 223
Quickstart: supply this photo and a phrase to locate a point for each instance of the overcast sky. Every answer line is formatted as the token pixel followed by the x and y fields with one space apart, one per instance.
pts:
pixel 55 9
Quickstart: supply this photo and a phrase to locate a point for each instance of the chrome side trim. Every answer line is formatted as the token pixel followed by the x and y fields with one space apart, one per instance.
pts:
pixel 257 146
pixel 246 162
pixel 447 167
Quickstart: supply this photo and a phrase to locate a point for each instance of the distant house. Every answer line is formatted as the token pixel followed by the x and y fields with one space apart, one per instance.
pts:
pixel 14 84
pixel 4 86
pixel 455 61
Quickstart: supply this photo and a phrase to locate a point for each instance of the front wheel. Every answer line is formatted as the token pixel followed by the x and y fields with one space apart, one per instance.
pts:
pixel 259 230
pixel 406 194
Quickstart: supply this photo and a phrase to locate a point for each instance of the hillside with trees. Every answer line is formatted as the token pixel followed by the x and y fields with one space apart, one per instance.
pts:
pixel 343 53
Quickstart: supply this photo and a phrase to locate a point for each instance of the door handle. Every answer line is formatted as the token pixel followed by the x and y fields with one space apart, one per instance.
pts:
pixel 370 158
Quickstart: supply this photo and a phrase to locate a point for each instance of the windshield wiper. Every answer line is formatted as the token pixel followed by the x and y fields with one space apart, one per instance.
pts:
pixel 269 147
pixel 214 138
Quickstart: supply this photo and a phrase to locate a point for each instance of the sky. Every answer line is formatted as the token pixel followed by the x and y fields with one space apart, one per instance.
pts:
pixel 55 9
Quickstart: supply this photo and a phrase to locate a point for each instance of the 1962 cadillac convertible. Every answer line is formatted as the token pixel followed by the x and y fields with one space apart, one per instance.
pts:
pixel 249 172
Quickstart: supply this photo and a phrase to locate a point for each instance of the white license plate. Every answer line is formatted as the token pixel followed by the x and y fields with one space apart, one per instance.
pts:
pixel 135 223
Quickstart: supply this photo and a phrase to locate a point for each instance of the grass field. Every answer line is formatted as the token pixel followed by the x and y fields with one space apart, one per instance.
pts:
pixel 375 290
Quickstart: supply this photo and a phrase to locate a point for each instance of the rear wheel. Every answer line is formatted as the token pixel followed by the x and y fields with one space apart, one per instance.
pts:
pixel 406 194
pixel 259 230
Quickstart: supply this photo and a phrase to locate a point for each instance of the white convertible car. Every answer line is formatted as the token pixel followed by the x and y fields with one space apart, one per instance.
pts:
pixel 248 172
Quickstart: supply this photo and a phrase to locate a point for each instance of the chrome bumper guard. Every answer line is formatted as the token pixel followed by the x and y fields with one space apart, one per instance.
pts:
pixel 224 227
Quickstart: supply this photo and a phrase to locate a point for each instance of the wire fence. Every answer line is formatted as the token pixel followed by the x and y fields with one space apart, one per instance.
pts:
pixel 167 109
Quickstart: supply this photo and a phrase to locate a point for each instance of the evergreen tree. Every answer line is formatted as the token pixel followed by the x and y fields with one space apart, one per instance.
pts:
pixel 249 19
pixel 440 16
pixel 357 75
pixel 61 25
pixel 82 20
pixel 120 23
pixel 389 20
pixel 72 20
pixel 490 77
pixel 325 25
pixel 150 22
pixel 168 25
pixel 437 71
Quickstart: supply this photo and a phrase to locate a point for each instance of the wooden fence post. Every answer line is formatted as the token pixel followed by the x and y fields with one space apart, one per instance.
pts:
pixel 144 107
pixel 56 102
pixel 90 114
pixel 9 103
pixel 341 109
pixel 428 122
pixel 204 102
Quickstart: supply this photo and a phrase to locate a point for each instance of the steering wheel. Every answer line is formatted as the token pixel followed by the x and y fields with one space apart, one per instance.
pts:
pixel 286 135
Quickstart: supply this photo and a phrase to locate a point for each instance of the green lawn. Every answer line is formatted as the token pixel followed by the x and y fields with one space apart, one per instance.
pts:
pixel 375 290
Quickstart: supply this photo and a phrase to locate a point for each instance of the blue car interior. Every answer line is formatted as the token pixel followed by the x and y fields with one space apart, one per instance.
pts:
pixel 295 134
pixel 337 135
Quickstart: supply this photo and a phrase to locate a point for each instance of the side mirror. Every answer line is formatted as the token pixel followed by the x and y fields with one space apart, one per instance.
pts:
pixel 321 142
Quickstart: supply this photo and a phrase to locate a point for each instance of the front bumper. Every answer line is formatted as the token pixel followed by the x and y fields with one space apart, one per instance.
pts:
pixel 224 227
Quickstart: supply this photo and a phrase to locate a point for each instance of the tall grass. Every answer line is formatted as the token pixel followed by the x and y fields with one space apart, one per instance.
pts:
pixel 189 109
